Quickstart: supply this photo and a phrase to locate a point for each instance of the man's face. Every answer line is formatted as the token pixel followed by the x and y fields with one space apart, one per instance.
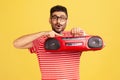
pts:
pixel 58 21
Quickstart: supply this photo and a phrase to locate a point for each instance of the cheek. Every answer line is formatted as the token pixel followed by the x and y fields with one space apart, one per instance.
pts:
pixel 64 26
pixel 53 22
pixel 63 23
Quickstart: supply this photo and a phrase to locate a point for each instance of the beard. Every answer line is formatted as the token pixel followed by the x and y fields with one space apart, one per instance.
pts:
pixel 58 28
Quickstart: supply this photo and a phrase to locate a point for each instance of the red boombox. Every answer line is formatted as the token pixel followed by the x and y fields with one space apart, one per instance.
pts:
pixel 82 43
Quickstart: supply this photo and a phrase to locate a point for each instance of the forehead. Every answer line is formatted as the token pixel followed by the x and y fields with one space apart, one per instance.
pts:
pixel 59 13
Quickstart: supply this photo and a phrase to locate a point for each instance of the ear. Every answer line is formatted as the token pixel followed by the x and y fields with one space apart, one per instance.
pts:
pixel 50 20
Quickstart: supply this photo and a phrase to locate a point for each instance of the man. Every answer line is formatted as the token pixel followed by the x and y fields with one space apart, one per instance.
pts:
pixel 59 65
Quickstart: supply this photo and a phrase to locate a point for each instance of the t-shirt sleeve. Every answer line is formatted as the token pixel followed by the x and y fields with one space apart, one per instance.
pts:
pixel 33 48
pixel 38 44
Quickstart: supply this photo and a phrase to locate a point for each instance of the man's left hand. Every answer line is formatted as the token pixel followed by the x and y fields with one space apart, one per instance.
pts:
pixel 77 32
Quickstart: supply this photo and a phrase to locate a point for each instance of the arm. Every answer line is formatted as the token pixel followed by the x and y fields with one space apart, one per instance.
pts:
pixel 25 42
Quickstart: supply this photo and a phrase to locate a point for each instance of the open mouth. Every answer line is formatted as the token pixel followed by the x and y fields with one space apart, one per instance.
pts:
pixel 58 26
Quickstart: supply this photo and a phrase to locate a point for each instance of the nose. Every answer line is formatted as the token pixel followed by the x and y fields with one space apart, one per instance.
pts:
pixel 58 20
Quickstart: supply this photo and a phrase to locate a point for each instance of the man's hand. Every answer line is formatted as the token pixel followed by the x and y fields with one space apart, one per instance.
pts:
pixel 77 32
pixel 52 34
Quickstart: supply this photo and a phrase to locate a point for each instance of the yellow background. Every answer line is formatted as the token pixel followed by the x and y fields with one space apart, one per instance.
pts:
pixel 96 17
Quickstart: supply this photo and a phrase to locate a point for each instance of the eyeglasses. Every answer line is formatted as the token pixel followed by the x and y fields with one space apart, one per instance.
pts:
pixel 61 18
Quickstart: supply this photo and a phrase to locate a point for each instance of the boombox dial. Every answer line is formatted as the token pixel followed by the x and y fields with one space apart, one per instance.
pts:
pixel 52 44
pixel 95 42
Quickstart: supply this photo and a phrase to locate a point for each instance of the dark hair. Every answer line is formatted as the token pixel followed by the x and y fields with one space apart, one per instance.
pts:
pixel 58 8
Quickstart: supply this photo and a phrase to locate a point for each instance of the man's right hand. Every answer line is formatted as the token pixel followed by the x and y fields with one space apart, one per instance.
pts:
pixel 52 34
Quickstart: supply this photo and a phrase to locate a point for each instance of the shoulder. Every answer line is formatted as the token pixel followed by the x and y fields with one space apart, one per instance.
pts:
pixel 40 40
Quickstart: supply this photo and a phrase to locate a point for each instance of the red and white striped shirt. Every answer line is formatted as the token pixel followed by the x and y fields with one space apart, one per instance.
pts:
pixel 57 65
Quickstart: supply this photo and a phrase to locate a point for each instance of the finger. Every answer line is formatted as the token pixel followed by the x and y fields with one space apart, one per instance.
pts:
pixel 78 31
pixel 56 34
pixel 50 34
pixel 82 33
pixel 73 31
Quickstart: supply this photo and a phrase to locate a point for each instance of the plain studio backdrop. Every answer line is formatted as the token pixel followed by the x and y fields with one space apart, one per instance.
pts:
pixel 96 17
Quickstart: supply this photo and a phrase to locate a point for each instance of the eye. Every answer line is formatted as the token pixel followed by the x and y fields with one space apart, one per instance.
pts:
pixel 54 17
pixel 63 18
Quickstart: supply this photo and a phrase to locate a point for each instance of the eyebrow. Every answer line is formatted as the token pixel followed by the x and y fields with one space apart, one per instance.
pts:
pixel 59 16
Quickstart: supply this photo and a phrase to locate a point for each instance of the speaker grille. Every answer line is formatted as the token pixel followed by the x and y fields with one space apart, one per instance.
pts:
pixel 95 42
pixel 52 44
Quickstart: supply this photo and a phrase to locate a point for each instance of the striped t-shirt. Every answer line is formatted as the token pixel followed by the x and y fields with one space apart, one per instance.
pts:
pixel 56 65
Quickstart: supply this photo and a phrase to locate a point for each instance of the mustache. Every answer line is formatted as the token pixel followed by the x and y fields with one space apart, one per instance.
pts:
pixel 58 24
